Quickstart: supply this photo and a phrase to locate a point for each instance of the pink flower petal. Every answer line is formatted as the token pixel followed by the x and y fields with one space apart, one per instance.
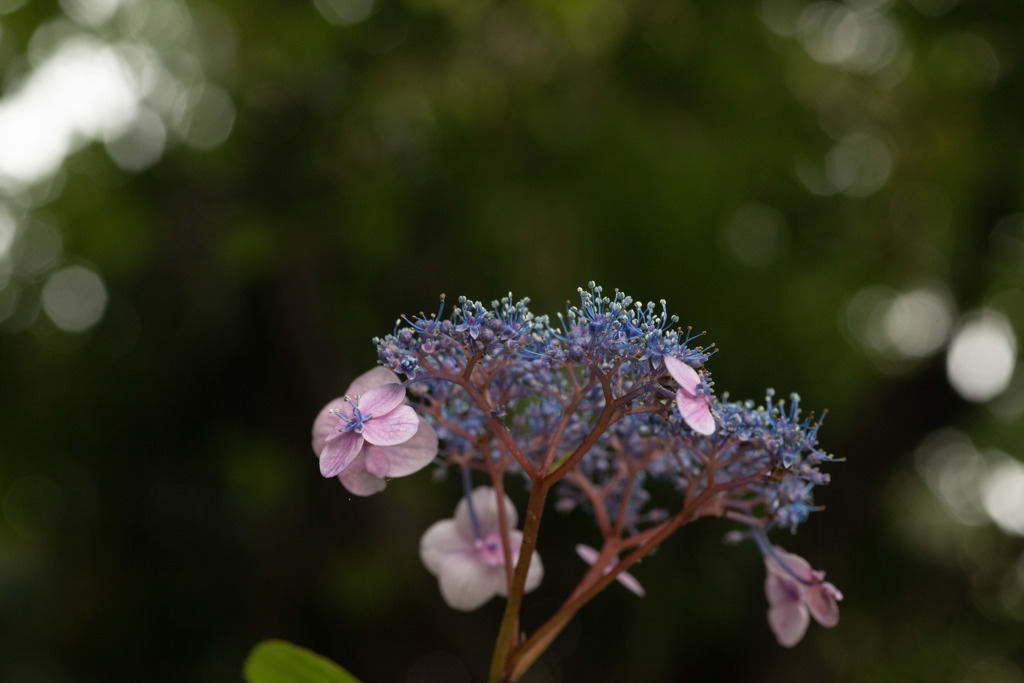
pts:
pixel 358 481
pixel 439 541
pixel 339 453
pixel 696 413
pixel 683 374
pixel 405 458
pixel 370 379
pixel 381 400
pixel 631 584
pixel 587 554
pixel 466 583
pixel 821 600
pixel 590 556
pixel 798 565
pixel 788 622
pixel 326 424
pixel 485 504
pixel 396 427
pixel 782 590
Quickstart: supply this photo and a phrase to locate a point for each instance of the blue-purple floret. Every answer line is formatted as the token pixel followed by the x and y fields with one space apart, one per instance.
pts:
pixel 534 367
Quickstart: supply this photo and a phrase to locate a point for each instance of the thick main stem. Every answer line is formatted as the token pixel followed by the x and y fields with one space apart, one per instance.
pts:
pixel 507 633
pixel 503 661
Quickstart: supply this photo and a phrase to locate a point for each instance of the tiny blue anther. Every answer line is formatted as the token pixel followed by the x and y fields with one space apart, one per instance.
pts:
pixel 356 421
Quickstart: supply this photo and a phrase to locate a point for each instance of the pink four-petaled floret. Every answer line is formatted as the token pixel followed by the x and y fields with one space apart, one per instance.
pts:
pixel 795 593
pixel 694 406
pixel 468 557
pixel 370 434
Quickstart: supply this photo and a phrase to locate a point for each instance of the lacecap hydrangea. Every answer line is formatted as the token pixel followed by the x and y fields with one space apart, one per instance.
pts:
pixel 594 408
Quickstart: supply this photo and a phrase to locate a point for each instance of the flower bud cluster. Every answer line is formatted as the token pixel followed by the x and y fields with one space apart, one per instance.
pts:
pixel 775 440
pixel 549 385
pixel 603 331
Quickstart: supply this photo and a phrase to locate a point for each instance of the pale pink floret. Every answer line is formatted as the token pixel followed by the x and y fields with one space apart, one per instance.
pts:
pixel 694 406
pixel 793 600
pixel 590 555
pixel 389 440
pixel 471 569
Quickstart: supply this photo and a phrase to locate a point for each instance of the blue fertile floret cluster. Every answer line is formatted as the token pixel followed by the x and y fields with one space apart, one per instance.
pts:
pixel 589 392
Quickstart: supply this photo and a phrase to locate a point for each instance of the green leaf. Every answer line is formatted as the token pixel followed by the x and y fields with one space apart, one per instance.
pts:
pixel 278 661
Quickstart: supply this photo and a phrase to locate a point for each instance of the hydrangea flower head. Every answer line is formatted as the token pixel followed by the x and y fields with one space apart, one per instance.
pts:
pixel 370 434
pixel 796 592
pixel 466 553
pixel 590 555
pixel 580 406
pixel 694 406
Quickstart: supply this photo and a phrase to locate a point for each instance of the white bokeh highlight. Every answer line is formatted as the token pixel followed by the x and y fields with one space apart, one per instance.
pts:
pixel 916 323
pixel 1002 494
pixel 81 92
pixel 74 298
pixel 127 74
pixel 860 39
pixel 982 356
pixel 902 325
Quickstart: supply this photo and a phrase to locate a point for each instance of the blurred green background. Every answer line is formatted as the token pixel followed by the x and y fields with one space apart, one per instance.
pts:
pixel 207 210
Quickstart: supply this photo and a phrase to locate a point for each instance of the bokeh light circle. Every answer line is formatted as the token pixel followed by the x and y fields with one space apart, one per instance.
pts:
pixel 982 356
pixel 74 298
